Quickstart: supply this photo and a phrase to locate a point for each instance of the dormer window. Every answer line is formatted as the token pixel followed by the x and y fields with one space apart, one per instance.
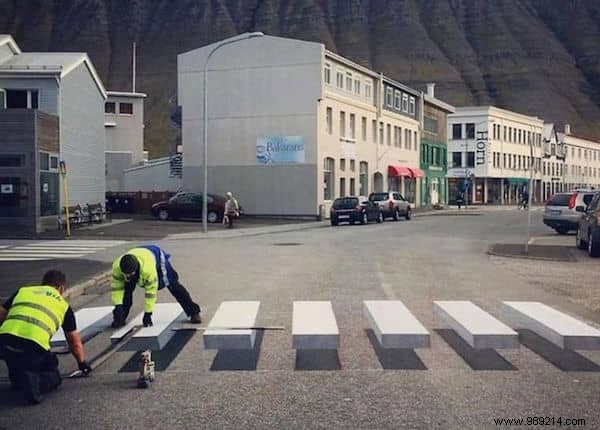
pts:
pixel 21 99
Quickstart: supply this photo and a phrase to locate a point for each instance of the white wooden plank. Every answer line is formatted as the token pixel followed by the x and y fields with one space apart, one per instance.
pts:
pixel 561 329
pixel 314 326
pixel 394 325
pixel 89 320
pixel 232 314
pixel 475 326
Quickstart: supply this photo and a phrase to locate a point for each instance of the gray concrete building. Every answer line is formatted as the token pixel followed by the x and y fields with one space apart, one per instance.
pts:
pixel 65 87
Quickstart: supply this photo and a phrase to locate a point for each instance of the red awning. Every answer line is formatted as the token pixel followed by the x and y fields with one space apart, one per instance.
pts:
pixel 399 171
pixel 416 172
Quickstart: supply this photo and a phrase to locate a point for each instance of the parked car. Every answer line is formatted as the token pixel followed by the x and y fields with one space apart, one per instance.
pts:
pixel 355 209
pixel 588 232
pixel 189 205
pixel 561 212
pixel 393 204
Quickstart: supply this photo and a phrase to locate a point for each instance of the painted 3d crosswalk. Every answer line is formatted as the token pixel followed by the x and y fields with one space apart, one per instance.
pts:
pixel 55 249
pixel 314 326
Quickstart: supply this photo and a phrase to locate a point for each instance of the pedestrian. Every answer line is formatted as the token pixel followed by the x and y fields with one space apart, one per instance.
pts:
pixel 29 319
pixel 147 267
pixel 459 199
pixel 232 210
pixel 525 198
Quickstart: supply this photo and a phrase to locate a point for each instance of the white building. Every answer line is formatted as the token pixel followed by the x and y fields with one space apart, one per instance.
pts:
pixel 292 126
pixel 124 128
pixel 495 148
pixel 582 162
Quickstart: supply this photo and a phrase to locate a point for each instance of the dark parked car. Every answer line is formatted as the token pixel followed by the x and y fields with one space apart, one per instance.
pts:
pixel 588 232
pixel 189 205
pixel 393 204
pixel 354 209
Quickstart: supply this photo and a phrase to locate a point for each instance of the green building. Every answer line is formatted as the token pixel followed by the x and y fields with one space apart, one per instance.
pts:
pixel 433 157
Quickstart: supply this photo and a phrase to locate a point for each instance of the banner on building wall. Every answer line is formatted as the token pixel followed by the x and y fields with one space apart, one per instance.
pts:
pixel 280 150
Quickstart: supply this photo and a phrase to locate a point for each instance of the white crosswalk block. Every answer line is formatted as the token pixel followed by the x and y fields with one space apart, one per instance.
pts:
pixel 561 329
pixel 88 320
pixel 314 326
pixel 475 326
pixel 232 314
pixel 394 325
pixel 54 249
pixel 155 337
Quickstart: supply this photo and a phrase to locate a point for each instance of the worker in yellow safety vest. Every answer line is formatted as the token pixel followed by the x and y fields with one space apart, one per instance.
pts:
pixel 147 267
pixel 29 319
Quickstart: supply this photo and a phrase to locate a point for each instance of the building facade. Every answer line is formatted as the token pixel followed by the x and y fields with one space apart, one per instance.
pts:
pixel 292 126
pixel 582 161
pixel 64 86
pixel 492 154
pixel 433 148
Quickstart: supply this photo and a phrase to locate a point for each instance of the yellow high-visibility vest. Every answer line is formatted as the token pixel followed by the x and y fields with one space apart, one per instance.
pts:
pixel 36 314
pixel 148 279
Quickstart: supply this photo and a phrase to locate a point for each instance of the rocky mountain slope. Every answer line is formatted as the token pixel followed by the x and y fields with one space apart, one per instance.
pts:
pixel 539 57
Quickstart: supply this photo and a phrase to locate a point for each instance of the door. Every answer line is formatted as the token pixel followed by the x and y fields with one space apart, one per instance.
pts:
pixel 435 191
pixel 181 206
pixel 403 204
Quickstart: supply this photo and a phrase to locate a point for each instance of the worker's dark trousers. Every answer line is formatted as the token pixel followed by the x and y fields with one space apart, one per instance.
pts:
pixel 177 290
pixel 44 363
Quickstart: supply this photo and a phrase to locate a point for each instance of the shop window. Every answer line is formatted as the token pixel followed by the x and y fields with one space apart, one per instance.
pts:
pixel 126 108
pixel 13 197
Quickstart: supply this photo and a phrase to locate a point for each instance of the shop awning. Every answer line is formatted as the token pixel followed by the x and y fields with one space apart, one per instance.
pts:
pixel 417 173
pixel 399 171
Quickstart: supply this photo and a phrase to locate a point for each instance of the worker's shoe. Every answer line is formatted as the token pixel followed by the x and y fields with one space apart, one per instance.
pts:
pixel 118 323
pixel 195 319
pixel 31 387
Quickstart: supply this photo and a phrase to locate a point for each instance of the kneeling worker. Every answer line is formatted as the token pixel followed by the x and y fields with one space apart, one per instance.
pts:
pixel 29 319
pixel 147 267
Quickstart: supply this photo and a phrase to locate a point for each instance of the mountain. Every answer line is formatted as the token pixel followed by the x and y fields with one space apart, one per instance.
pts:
pixel 539 57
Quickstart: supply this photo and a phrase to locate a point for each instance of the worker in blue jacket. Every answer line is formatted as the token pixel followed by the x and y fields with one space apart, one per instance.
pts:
pixel 147 267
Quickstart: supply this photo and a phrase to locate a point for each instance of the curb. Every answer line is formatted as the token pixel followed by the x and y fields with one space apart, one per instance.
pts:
pixel 530 257
pixel 79 289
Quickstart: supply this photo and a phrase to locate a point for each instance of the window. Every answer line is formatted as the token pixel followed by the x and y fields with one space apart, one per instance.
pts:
pixel 579 153
pixel 329 120
pixel 2 99
pixel 21 99
pixel 352 186
pixel 519 138
pixel 13 198
pixel 415 144
pixel 430 124
pixel 405 102
pixel 357 86
pixel 470 129
pixel 352 165
pixel 407 138
pixel 389 135
pixel 529 137
pixel 368 90
pixel 399 137
pixel 374 130
pixel 411 106
pixel 364 128
pixel 328 177
pixel 327 73
pixel 339 76
pixel 53 163
pixel 456 131
pixel 504 133
pixel 342 164
pixel 553 149
pixel 398 100
pixel 349 81
pixel 470 159
pixel 44 161
pixel 126 108
pixel 343 124
pixel 352 126
pixel 12 160
pixel 396 136
pixel 342 187
pixel 389 97
pixel 110 107
pixel 364 178
pixel 381 133
pixel 457 159
pixel 504 163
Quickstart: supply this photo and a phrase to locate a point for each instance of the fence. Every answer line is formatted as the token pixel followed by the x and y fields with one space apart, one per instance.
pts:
pixel 134 202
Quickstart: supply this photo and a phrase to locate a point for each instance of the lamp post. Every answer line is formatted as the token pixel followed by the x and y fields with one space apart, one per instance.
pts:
pixel 489 121
pixel 205 126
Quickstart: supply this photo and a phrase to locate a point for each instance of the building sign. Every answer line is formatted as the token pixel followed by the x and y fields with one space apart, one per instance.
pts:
pixel 7 189
pixel 480 150
pixel 280 150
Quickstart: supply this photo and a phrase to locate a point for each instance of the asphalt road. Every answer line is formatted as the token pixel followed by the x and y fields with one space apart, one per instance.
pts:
pixel 446 386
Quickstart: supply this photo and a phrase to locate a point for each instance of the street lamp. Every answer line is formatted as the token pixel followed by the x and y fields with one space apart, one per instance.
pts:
pixel 489 121
pixel 205 137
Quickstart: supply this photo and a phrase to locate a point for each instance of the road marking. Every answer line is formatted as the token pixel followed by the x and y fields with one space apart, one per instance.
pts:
pixel 387 288
pixel 531 240
pixel 50 250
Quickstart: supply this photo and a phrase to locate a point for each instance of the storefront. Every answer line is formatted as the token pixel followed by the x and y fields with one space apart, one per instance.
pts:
pixel 404 180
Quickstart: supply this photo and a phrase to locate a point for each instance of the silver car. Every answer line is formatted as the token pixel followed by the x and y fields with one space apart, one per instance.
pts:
pixel 563 210
pixel 392 204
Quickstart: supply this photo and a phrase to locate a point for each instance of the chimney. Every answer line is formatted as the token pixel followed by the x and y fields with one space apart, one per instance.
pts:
pixel 567 129
pixel 431 90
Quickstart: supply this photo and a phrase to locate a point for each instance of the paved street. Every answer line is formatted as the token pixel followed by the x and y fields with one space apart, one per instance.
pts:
pixel 449 385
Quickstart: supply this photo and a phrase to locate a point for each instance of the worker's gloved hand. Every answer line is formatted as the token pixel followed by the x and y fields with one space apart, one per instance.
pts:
pixel 85 368
pixel 147 321
pixel 118 316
